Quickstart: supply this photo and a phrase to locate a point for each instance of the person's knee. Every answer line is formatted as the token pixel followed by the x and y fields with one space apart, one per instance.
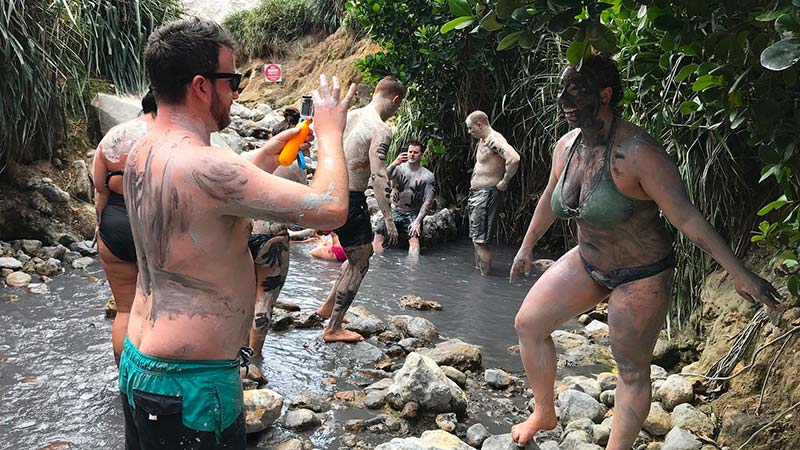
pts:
pixel 529 325
pixel 633 371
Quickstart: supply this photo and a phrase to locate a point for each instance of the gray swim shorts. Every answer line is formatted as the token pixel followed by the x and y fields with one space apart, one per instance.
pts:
pixel 484 208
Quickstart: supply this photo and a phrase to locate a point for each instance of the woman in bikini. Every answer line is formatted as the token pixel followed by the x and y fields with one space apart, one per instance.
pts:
pixel 616 181
pixel 114 237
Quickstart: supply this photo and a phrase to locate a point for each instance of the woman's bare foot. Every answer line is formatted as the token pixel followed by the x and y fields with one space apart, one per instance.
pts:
pixel 341 335
pixel 522 433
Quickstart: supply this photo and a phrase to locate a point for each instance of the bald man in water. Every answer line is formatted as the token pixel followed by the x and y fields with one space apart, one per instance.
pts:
pixel 190 206
pixel 366 141
pixel 496 163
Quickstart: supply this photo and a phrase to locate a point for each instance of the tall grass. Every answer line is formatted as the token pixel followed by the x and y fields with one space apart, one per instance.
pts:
pixel 50 50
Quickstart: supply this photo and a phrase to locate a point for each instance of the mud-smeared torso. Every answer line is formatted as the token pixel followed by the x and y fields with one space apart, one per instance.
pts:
pixel 117 144
pixel 490 166
pixel 642 238
pixel 194 297
pixel 362 126
pixel 410 187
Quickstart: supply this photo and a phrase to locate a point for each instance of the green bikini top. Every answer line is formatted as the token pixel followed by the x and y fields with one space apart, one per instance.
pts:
pixel 604 205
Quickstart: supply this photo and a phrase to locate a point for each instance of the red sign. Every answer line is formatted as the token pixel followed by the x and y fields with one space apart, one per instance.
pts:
pixel 273 73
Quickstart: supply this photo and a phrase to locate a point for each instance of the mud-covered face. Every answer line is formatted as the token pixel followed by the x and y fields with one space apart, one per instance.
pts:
pixel 579 98
pixel 414 153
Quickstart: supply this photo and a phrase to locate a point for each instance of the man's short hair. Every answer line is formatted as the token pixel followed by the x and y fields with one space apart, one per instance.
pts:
pixel 416 143
pixel 390 87
pixel 478 116
pixel 179 50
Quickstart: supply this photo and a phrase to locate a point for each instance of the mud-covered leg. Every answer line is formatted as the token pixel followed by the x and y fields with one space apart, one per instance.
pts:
pixel 345 291
pixel 636 313
pixel 483 258
pixel 271 267
pixel 377 243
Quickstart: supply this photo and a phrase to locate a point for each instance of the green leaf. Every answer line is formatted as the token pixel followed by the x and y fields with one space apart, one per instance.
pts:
pixel 602 38
pixel 376 7
pixel 490 23
pixel 457 24
pixel 460 8
pixel 773 205
pixel 689 107
pixel 667 22
pixel 786 23
pixel 794 285
pixel 562 20
pixel 505 8
pixel 706 82
pixel 509 41
pixel 521 14
pixel 781 55
pixel 527 39
pixel 576 51
pixel 685 72
pixel 769 16
pixel 561 4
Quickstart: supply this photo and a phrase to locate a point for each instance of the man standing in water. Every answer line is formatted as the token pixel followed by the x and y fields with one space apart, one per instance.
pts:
pixel 496 163
pixel 366 140
pixel 413 189
pixel 189 205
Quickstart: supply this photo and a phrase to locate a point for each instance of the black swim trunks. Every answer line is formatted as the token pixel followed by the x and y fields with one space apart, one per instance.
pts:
pixel 265 255
pixel 115 229
pixel 613 278
pixel 402 220
pixel 358 229
pixel 484 208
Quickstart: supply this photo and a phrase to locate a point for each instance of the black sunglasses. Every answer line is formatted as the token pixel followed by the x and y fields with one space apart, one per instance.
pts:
pixel 234 79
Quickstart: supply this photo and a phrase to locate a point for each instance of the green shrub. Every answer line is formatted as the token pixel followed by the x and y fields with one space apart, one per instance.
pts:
pixel 271 27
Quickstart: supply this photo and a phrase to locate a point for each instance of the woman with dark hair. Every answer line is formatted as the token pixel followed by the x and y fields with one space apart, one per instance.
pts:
pixel 616 181
pixel 114 237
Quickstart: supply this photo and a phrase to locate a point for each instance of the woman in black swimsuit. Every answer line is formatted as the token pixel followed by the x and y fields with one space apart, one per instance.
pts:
pixel 615 181
pixel 114 238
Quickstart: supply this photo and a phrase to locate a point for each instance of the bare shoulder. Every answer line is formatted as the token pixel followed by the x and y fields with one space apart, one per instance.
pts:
pixel 636 143
pixel 564 143
pixel 218 173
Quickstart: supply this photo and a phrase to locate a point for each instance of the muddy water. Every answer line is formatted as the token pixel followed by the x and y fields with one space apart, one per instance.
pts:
pixel 57 374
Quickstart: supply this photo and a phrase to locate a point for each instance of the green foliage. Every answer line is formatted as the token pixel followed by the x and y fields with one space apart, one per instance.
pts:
pixel 51 49
pixel 274 25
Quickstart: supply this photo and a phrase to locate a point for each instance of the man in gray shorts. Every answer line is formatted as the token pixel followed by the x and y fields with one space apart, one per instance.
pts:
pixel 496 162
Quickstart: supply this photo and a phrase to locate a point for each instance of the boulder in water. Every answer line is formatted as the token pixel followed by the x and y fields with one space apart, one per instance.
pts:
pixel 422 381
pixel 262 408
pixel 311 401
pixel 301 419
pixel 455 353
pixel 414 302
pixel 18 279
pixel 416 327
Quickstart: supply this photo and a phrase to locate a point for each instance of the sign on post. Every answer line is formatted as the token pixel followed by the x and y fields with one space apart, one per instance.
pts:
pixel 273 73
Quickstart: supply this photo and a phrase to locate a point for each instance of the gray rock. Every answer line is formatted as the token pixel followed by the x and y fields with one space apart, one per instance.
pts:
pixel 353 355
pixel 580 383
pixel 112 110
pixel 380 385
pixel 230 139
pixel 608 397
pixel 675 390
pixel 680 439
pixel 29 246
pixel 281 321
pixel 420 380
pixel 447 422
pixel 56 251
pixel 70 257
pixel 82 263
pixel 456 375
pixel 10 263
pixel 549 445
pixel 49 268
pixel 584 424
pixel 294 444
pixel 575 439
pixel 597 329
pixel 430 440
pixel 410 344
pixel 575 405
pixel 85 248
pixel 601 433
pixel 262 407
pixel 37 201
pixel 82 186
pixel 375 399
pixel 366 326
pixel 22 256
pixel 301 419
pixel 658 372
pixel 54 194
pixel 658 421
pixel 417 327
pixel 308 319
pixel 497 378
pixel 455 353
pixel 414 302
pixel 18 279
pixel 439 227
pixel 38 288
pixel 311 401
pixel 477 434
pixel 504 442
pixel 689 418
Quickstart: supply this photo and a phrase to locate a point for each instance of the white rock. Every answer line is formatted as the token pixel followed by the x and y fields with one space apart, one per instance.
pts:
pixel 689 418
pixel 422 381
pixel 262 407
pixel 675 390
pixel 576 405
pixel 497 378
pixel 18 279
pixel 658 421
pixel 430 440
pixel 7 262
pixel 680 439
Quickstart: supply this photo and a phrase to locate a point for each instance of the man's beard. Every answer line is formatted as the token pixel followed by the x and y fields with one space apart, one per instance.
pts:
pixel 220 113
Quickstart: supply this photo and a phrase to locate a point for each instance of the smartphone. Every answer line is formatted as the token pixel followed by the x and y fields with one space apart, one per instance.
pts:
pixel 307 107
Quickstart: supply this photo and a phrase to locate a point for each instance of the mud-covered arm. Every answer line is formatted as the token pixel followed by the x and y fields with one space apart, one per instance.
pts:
pixel 511 158
pixel 101 193
pixel 659 179
pixel 380 180
pixel 430 194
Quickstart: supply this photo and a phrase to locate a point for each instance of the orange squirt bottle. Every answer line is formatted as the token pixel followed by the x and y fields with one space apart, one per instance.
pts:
pixel 292 148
